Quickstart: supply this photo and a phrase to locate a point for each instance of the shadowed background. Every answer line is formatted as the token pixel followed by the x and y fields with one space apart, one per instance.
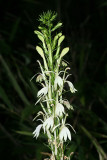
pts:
pixel 85 29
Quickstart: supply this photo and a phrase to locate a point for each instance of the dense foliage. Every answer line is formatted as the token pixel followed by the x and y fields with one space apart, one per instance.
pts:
pixel 85 31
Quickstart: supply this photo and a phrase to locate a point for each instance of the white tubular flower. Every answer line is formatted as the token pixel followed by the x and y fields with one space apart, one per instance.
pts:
pixel 42 92
pixel 64 133
pixel 72 89
pixel 37 131
pixel 49 122
pixel 59 81
pixel 59 109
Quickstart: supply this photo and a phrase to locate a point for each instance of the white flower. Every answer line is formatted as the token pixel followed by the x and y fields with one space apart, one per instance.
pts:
pixel 67 104
pixel 64 133
pixel 59 109
pixel 37 130
pixel 39 78
pixel 59 81
pixel 72 89
pixel 48 123
pixel 64 63
pixel 42 92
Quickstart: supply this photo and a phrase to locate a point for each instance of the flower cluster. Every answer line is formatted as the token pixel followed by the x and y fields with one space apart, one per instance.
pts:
pixel 53 79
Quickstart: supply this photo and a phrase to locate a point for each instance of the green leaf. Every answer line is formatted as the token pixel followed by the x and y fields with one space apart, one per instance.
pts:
pixel 5 98
pixel 71 150
pixel 14 82
pixel 25 133
pixel 33 88
pixel 27 112
pixel 14 29
pixel 95 143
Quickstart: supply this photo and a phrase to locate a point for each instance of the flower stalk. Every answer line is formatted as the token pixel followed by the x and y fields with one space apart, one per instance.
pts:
pixel 52 78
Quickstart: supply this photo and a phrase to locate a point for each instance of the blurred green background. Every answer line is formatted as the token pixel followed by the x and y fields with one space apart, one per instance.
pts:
pixel 85 28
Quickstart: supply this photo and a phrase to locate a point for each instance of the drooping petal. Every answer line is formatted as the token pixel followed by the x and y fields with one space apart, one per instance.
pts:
pixel 72 89
pixel 42 92
pixel 58 81
pixel 37 131
pixel 59 109
pixel 68 133
pixel 64 133
pixel 39 78
pixel 66 103
pixel 48 123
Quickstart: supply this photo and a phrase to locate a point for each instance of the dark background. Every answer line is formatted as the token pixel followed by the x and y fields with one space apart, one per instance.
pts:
pixel 85 28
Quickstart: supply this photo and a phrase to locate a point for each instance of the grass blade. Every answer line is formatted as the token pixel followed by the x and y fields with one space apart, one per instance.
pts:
pixel 14 82
pixel 95 143
pixel 5 98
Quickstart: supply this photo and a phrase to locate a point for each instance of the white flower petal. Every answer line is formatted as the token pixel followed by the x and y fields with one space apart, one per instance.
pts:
pixel 48 123
pixel 68 133
pixel 39 78
pixel 72 89
pixel 37 131
pixel 59 109
pixel 65 137
pixel 58 81
pixel 42 92
pixel 66 103
pixel 64 133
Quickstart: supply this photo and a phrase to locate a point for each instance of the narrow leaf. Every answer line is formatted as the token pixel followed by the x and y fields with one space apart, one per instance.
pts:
pixel 14 82
pixel 94 141
pixel 5 98
pixel 26 133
